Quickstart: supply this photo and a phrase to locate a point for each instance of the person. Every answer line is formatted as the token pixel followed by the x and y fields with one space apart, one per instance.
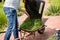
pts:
pixel 10 7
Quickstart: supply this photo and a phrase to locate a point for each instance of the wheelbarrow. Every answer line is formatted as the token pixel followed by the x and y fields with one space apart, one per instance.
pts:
pixel 33 23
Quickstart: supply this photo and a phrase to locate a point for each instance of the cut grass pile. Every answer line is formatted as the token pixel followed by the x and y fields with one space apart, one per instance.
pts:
pixel 31 24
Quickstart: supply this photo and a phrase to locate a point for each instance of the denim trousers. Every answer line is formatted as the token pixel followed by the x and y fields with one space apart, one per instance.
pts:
pixel 12 21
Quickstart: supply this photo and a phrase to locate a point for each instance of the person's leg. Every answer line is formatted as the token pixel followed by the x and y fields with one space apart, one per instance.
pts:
pixel 15 24
pixel 8 13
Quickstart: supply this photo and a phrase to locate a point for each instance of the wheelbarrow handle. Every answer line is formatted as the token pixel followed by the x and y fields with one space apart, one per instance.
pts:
pixel 42 9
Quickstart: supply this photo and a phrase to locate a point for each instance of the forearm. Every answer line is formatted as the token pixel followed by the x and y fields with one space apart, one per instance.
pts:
pixel 22 10
pixel 24 1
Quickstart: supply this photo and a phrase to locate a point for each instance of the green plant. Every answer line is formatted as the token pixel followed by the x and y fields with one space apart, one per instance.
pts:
pixel 3 21
pixel 21 4
pixel 53 37
pixel 53 10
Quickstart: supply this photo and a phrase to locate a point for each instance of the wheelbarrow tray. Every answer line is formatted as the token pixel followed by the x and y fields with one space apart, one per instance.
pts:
pixel 35 9
pixel 31 24
pixel 34 22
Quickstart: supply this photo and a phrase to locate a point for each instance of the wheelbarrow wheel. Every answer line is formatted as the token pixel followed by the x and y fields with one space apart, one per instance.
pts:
pixel 41 31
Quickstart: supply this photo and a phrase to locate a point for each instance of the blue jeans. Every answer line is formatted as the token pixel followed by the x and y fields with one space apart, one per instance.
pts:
pixel 12 23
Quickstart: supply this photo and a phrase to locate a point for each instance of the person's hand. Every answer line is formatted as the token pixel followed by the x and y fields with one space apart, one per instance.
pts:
pixel 18 9
pixel 27 14
pixel 24 1
pixel 24 11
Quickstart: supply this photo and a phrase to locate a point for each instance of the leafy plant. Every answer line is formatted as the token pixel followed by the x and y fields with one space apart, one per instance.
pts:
pixel 21 4
pixel 3 21
pixel 53 37
pixel 53 10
